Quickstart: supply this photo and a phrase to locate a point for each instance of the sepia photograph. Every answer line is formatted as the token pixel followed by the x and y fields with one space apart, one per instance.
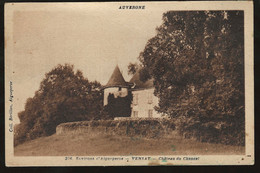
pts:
pixel 119 83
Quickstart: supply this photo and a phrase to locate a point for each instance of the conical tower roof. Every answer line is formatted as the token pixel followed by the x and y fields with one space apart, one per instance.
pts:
pixel 117 79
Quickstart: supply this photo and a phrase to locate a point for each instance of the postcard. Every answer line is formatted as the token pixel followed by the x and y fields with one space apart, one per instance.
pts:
pixel 129 83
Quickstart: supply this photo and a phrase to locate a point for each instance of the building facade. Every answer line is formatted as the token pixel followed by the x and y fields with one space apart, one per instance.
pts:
pixel 143 104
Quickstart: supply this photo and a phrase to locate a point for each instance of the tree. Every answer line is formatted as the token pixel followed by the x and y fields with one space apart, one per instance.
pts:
pixel 196 60
pixel 63 96
pixel 120 106
pixel 132 68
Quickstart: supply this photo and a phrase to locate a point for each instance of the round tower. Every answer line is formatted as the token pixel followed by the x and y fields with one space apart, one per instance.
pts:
pixel 116 86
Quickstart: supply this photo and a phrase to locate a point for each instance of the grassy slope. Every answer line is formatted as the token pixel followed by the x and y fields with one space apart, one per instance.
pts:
pixel 87 144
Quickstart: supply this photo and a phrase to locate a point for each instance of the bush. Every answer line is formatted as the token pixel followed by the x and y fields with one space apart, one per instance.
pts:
pixel 213 132
pixel 19 134
pixel 146 128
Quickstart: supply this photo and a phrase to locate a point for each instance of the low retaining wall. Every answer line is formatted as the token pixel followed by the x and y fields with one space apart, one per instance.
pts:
pixel 151 128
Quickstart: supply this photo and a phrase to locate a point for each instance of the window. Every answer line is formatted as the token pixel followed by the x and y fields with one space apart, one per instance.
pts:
pixel 150 113
pixel 135 99
pixel 119 89
pixel 150 98
pixel 135 114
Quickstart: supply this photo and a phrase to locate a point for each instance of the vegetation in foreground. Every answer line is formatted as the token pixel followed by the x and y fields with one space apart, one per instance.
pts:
pixel 99 144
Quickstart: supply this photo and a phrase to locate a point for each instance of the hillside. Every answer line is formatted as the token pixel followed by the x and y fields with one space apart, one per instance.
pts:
pixel 101 144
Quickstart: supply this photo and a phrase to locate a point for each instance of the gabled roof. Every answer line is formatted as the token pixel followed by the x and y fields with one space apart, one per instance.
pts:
pixel 138 84
pixel 117 79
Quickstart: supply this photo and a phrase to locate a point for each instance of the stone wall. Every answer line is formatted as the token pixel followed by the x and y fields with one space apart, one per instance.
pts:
pixel 147 128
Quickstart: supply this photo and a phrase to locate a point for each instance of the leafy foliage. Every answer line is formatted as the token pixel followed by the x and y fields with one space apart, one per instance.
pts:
pixel 63 96
pixel 120 106
pixel 132 68
pixel 144 128
pixel 197 62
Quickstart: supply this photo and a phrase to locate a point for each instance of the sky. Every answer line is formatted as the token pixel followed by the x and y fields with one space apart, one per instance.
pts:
pixel 94 38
